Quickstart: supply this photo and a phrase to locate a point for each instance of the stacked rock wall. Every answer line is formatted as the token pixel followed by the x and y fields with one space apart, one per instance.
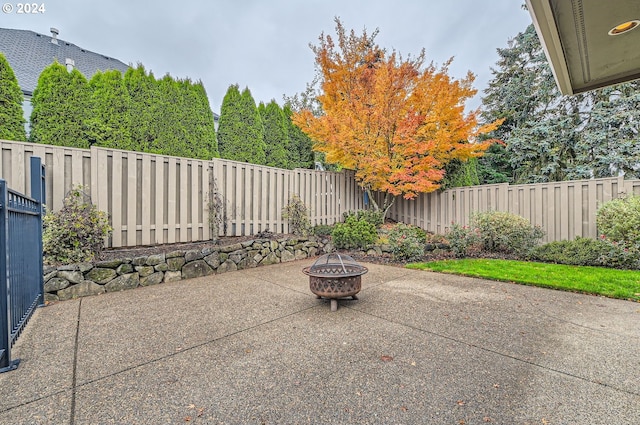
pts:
pixel 83 279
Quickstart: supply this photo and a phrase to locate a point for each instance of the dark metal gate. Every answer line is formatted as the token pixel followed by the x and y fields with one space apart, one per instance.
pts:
pixel 21 279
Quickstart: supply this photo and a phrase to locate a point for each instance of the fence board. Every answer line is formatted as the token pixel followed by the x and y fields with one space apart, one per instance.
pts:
pixel 160 204
pixel 132 198
pixel 171 207
pixel 146 191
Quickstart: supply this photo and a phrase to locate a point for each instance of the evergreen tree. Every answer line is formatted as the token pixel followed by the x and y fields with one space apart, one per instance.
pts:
pixel 110 117
pixel 493 167
pixel 240 131
pixel 301 146
pixel 550 137
pixel 610 142
pixel 460 173
pixel 169 116
pixel 205 126
pixel 60 106
pixel 144 107
pixel 172 137
pixel 197 118
pixel 276 136
pixel 228 121
pixel 11 114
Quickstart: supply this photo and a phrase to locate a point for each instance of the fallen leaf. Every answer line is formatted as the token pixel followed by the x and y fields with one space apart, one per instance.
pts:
pixel 386 358
pixel 413 363
pixel 496 386
pixel 191 406
pixel 200 412
pixel 187 418
pixel 404 408
pixel 545 422
pixel 460 402
pixel 487 419
pixel 461 422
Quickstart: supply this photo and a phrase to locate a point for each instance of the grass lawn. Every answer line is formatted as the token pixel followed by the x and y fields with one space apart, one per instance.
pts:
pixel 613 283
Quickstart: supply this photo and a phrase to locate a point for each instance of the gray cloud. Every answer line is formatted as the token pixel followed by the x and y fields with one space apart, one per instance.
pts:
pixel 264 45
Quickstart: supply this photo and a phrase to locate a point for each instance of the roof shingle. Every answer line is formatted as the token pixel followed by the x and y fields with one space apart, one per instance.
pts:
pixel 29 53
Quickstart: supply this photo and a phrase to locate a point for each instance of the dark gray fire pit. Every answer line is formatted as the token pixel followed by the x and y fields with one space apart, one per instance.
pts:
pixel 335 276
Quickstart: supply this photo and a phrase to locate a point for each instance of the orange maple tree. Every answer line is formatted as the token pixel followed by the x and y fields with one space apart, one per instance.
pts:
pixel 395 121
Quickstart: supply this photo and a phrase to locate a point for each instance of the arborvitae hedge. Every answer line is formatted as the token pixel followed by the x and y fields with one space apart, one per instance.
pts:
pixel 228 121
pixel 11 114
pixel 276 136
pixel 172 135
pixel 205 130
pixel 301 152
pixel 109 122
pixel 60 105
pixel 169 116
pixel 198 121
pixel 137 112
pixel 143 94
pixel 240 131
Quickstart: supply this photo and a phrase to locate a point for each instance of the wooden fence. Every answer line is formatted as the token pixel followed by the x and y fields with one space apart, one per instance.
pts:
pixel 564 210
pixel 156 199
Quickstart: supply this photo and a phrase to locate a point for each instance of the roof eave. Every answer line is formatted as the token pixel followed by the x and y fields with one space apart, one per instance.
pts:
pixel 549 36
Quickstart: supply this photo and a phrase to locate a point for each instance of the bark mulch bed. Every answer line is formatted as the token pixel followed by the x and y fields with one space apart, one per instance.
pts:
pixel 385 259
pixel 141 251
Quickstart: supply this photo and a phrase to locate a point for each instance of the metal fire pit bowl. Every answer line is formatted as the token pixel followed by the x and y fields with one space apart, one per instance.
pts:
pixel 334 276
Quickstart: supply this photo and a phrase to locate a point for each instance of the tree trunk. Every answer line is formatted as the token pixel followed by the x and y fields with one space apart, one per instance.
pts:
pixel 388 202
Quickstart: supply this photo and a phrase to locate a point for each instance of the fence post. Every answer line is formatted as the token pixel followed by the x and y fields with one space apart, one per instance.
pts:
pixel 5 319
pixel 38 193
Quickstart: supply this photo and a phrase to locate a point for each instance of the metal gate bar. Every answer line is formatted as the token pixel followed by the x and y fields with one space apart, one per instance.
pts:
pixel 21 278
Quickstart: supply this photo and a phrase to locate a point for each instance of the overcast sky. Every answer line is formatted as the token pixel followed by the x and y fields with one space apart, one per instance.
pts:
pixel 264 44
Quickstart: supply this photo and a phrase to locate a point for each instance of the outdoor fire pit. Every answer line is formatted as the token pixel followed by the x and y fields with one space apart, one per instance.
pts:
pixel 335 276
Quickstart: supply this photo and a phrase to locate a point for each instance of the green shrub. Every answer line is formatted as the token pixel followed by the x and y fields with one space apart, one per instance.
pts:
pixel 372 216
pixel 75 233
pixel 579 252
pixel 354 234
pixel 587 252
pixel 407 242
pixel 436 239
pixel 297 214
pixel 619 220
pixel 463 240
pixel 506 232
pixel 322 230
pixel 620 255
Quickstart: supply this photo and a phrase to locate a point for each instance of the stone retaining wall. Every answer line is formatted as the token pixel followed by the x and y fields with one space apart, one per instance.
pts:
pixel 83 279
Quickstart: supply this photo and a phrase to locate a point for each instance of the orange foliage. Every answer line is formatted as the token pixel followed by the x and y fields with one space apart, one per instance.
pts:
pixel 394 121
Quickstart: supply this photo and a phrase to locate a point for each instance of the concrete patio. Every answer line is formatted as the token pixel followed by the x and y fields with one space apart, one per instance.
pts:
pixel 256 347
